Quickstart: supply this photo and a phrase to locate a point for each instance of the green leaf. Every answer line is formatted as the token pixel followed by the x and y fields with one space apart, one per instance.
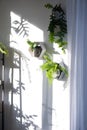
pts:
pixel 60 22
pixel 3 48
pixel 51 37
pixel 31 44
pixel 48 5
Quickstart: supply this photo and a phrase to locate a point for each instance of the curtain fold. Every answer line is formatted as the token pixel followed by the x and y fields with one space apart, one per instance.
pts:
pixel 77 39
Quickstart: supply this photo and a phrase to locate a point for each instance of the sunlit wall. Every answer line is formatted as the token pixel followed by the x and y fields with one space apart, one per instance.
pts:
pixel 27 75
pixel 29 100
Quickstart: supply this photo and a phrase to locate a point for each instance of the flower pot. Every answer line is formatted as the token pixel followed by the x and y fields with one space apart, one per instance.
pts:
pixel 38 51
pixel 61 75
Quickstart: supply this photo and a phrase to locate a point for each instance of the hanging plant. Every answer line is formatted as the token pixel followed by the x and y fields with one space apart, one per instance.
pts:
pixel 58 25
pixel 3 48
pixel 36 49
pixel 52 68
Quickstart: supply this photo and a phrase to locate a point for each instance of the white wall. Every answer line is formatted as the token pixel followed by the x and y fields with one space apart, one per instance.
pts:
pixel 34 12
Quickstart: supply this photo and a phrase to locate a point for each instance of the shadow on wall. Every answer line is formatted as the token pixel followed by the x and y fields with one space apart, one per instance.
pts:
pixel 22 122
pixel 21 28
pixel 14 116
pixel 17 119
pixel 18 97
pixel 18 82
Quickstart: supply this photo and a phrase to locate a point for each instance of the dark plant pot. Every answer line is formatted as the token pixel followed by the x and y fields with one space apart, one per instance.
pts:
pixel 37 51
pixel 60 75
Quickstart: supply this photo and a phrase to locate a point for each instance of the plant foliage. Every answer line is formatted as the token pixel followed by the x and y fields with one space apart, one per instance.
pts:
pixel 49 6
pixel 51 68
pixel 31 44
pixel 57 27
pixel 3 48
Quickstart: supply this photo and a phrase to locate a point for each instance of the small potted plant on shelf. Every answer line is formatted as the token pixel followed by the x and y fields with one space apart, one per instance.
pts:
pixel 53 69
pixel 37 49
pixel 57 26
pixel 3 49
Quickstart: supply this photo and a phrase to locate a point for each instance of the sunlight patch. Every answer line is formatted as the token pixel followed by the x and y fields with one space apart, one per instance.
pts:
pixel 21 31
pixel 26 73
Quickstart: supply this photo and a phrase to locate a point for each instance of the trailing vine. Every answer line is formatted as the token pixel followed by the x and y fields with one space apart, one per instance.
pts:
pixel 58 25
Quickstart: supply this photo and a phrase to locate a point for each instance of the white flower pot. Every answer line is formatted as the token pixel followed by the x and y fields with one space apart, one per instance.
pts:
pixel 38 51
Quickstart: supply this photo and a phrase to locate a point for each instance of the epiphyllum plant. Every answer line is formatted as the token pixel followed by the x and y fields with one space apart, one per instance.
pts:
pixel 3 48
pixel 51 68
pixel 57 26
pixel 36 49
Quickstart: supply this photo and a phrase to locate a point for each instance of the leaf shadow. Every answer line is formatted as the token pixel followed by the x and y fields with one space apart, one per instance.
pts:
pixel 21 27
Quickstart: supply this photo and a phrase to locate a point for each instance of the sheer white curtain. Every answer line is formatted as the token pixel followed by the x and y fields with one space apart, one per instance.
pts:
pixel 77 38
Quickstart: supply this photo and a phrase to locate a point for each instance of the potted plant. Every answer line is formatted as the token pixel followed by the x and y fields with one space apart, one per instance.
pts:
pixel 57 26
pixel 37 49
pixel 52 68
pixel 3 48
pixel 62 74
